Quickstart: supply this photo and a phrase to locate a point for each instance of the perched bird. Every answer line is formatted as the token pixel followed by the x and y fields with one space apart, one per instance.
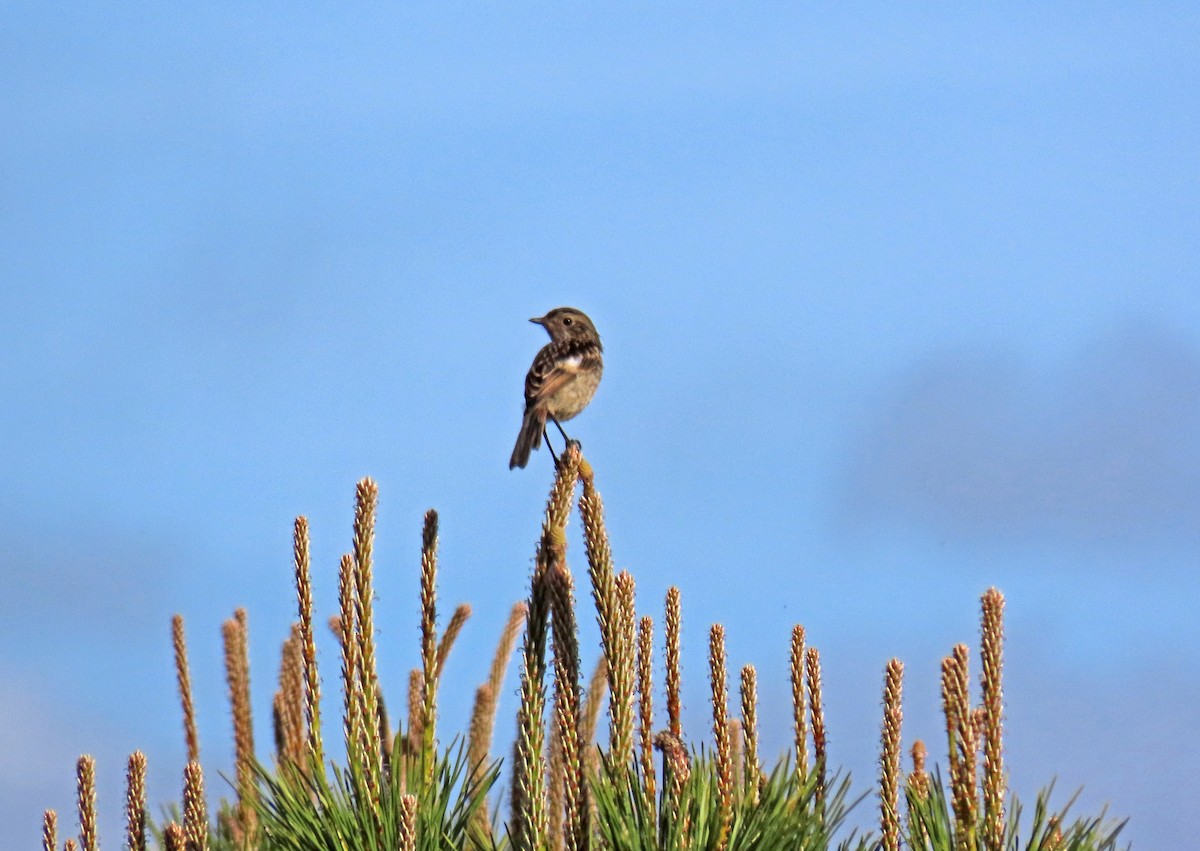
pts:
pixel 562 380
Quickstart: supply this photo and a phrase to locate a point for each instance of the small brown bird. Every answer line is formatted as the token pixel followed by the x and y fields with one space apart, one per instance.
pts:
pixel 562 380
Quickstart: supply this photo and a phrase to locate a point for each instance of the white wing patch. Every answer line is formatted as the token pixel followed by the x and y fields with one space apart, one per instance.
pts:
pixel 571 364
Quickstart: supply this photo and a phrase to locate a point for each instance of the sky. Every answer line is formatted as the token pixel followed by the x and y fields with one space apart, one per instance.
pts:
pixel 897 304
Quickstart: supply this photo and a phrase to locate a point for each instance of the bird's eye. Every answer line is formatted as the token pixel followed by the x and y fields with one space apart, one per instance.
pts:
pixel 567 321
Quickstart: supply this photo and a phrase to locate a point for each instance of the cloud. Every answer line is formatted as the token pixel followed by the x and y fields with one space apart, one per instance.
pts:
pixel 64 578
pixel 37 747
pixel 1101 732
pixel 44 731
pixel 1104 448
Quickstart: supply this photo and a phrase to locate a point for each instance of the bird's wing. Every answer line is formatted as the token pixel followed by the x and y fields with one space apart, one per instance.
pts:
pixel 555 366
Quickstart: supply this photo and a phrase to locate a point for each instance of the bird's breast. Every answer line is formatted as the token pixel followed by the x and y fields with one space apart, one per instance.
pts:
pixel 574 396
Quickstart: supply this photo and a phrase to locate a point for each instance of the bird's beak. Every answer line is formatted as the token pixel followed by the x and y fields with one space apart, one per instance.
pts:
pixel 539 320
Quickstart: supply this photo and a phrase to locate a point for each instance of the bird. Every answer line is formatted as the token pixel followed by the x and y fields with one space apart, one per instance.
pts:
pixel 562 380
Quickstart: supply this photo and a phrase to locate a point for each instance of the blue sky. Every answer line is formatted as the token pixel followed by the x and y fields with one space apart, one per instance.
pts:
pixel 897 306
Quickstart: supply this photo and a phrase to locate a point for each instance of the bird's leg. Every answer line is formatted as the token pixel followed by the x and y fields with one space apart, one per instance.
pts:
pixel 550 448
pixel 566 440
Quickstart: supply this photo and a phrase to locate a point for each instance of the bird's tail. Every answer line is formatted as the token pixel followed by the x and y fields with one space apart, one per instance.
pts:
pixel 529 439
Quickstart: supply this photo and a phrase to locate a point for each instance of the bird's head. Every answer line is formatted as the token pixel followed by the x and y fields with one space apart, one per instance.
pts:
pixel 567 323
